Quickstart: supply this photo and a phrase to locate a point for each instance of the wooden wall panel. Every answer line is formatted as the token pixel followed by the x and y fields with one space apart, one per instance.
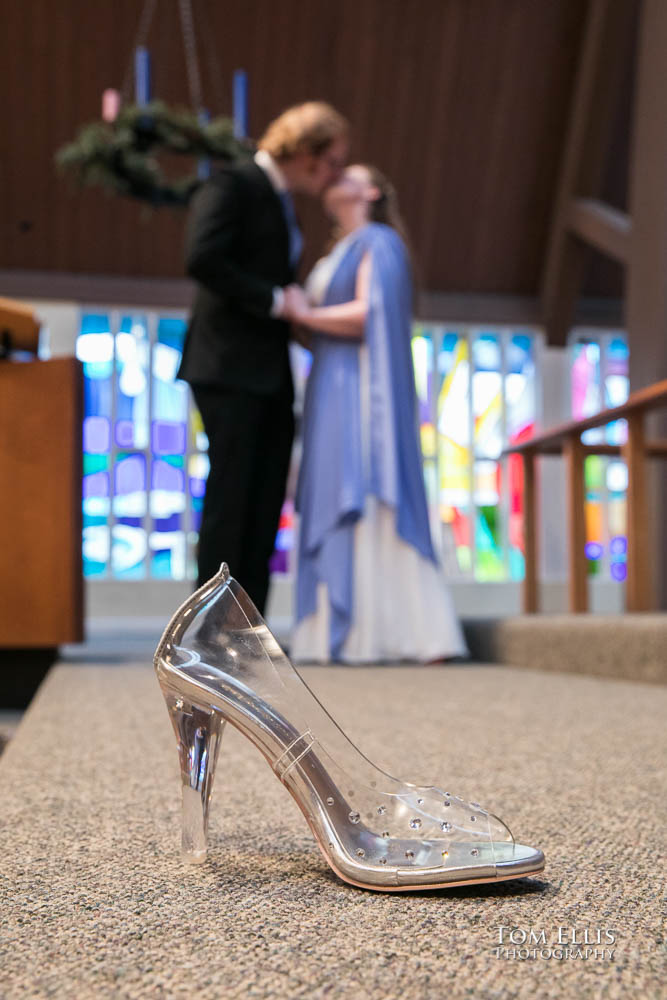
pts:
pixel 462 102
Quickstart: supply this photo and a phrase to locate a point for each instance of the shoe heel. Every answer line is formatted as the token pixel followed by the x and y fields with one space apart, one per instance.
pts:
pixel 198 732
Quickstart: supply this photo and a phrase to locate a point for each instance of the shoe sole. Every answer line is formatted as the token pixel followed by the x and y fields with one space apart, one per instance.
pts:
pixel 387 888
pixel 409 888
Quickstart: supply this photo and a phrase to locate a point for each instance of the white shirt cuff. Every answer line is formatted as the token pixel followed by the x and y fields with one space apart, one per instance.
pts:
pixel 278 302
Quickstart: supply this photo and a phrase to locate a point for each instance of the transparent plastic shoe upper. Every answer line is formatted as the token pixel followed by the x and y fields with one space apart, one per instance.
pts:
pixel 373 828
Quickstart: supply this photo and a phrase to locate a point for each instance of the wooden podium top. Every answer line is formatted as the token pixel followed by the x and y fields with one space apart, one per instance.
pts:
pixel 19 326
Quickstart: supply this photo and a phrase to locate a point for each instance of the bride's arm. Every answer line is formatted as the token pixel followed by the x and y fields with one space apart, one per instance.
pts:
pixel 345 320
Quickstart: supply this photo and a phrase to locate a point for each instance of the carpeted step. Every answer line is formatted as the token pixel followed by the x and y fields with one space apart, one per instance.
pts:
pixel 633 647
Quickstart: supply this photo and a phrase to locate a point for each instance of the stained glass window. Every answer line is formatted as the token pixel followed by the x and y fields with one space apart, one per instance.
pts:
pixel 487 408
pixel 476 392
pixel 131 438
pixel 145 451
pixel 146 463
pixel 454 451
pixel 95 349
pixel 134 439
pixel 520 420
pixel 599 379
pixel 422 359
pixel 169 425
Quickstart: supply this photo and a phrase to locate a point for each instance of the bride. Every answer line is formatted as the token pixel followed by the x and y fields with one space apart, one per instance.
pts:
pixel 369 587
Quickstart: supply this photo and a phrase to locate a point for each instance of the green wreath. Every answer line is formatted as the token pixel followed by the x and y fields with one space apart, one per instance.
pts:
pixel 118 154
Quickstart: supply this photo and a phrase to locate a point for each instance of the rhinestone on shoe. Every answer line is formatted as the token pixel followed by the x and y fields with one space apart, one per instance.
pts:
pixel 361 852
pixel 382 810
pixel 354 817
pixel 385 833
pixel 474 852
pixel 178 705
pixel 473 819
pixel 409 855
pixel 330 800
pixel 446 826
pixel 446 802
pixel 420 802
pixel 415 823
pixel 200 733
pixel 382 861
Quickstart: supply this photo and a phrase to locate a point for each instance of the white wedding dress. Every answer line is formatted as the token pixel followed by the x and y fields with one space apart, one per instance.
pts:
pixel 402 607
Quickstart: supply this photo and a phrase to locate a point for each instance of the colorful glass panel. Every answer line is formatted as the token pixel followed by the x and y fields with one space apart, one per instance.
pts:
pixel 167 541
pixel 454 445
pixel 486 382
pixel 616 387
pixel 520 409
pixel 132 390
pixel 145 472
pixel 95 349
pixel 600 379
pixel 487 409
pixel 489 563
pixel 422 360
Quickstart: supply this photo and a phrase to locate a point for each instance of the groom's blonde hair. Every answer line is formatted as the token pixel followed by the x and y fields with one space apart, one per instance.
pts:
pixel 304 128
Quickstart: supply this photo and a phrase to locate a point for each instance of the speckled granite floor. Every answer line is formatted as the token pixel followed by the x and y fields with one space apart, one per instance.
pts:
pixel 94 901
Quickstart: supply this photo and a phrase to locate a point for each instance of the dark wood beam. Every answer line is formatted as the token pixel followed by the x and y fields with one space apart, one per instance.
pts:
pixel 174 293
pixel 101 289
pixel 520 310
pixel 600 73
pixel 601 226
pixel 647 266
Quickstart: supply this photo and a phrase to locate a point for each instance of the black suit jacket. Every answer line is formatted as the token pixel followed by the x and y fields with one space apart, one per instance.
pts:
pixel 237 250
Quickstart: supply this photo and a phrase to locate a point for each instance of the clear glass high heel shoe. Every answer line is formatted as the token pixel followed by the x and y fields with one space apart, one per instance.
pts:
pixel 217 662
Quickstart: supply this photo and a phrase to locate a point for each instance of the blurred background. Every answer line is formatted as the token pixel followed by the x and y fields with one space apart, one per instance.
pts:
pixel 527 144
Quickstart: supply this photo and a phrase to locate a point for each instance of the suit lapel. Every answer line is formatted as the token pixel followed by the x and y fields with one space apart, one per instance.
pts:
pixel 260 178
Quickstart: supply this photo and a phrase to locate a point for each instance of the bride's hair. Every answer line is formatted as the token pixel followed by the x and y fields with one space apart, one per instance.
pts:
pixel 385 208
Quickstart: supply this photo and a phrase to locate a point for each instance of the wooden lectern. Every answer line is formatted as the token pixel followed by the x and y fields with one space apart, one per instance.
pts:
pixel 19 328
pixel 41 579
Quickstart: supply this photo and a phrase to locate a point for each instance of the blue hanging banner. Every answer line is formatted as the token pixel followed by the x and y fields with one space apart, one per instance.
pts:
pixel 142 75
pixel 204 164
pixel 240 91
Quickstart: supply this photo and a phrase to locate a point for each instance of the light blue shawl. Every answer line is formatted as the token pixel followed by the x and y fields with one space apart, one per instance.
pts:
pixel 332 480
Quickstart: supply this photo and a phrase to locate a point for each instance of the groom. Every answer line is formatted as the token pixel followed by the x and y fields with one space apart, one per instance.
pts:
pixel 243 247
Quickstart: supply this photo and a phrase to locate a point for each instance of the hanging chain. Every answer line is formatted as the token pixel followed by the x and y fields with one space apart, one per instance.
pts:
pixel 214 72
pixel 190 46
pixel 143 28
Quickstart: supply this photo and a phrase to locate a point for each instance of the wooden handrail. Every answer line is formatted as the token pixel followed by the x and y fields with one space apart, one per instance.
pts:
pixel 566 440
pixel 654 449
pixel 651 397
